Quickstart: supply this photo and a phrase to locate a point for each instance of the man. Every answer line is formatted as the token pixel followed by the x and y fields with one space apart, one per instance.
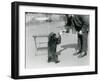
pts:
pixel 53 40
pixel 81 24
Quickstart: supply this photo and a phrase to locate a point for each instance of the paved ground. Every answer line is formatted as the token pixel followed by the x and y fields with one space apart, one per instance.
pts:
pixel 65 50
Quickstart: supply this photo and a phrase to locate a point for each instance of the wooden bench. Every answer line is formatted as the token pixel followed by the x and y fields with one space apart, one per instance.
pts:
pixel 35 36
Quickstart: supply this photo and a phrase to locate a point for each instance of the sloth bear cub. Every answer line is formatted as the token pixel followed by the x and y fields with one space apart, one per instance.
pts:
pixel 53 40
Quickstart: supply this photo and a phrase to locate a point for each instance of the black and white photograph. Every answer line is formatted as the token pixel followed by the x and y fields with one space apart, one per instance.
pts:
pixel 53 40
pixel 56 40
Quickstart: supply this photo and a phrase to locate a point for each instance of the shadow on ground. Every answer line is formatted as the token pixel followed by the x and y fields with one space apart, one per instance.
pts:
pixel 66 47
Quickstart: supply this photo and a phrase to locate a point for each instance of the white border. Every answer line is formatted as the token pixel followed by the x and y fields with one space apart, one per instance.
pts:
pixel 23 71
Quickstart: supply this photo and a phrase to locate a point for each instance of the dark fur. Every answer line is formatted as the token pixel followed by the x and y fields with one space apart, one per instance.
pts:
pixel 52 45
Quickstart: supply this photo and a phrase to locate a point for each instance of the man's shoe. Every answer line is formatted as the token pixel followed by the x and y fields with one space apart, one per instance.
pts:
pixel 77 53
pixel 82 54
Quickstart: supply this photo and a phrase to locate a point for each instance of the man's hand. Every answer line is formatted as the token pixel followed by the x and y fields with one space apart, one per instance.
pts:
pixel 80 32
pixel 62 32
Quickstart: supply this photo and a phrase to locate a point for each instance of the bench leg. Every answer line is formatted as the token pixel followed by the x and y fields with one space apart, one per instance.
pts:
pixel 35 46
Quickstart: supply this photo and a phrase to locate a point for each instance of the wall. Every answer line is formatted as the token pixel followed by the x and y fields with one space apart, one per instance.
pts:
pixel 5 40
